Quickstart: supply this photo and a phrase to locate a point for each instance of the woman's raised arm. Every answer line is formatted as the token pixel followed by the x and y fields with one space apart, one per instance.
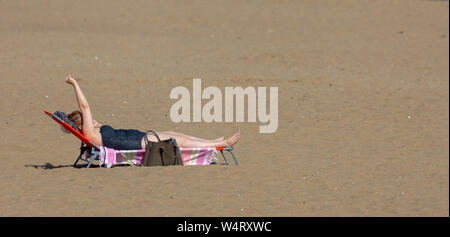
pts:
pixel 88 126
pixel 82 102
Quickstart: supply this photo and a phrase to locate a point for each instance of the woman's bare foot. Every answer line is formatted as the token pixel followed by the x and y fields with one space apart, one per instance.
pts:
pixel 233 139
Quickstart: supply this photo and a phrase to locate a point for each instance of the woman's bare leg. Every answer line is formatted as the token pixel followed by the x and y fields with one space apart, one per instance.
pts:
pixel 190 141
pixel 192 137
pixel 212 143
pixel 219 138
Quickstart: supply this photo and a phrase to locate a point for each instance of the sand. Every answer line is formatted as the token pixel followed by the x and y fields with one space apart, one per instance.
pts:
pixel 363 105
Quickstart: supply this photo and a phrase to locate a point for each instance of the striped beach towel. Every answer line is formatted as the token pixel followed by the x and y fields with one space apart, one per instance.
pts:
pixel 110 157
pixel 198 156
pixel 190 156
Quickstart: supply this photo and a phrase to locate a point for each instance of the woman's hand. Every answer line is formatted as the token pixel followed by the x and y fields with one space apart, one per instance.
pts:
pixel 70 80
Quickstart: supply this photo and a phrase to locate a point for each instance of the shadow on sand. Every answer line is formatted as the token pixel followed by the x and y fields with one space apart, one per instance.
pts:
pixel 49 166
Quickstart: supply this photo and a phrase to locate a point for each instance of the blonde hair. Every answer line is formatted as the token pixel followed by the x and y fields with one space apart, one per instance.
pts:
pixel 73 117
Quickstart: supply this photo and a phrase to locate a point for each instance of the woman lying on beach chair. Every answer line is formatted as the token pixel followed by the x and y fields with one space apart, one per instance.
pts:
pixel 131 139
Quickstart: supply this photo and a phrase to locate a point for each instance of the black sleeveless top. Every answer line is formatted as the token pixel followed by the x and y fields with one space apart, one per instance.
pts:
pixel 121 139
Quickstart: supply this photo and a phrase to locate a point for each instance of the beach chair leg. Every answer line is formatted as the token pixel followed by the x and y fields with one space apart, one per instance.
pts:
pixel 90 162
pixel 82 150
pixel 229 149
pixel 76 162
pixel 224 157
pixel 234 157
pixel 94 155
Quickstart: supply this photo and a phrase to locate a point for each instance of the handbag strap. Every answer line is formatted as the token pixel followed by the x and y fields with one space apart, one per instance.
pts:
pixel 154 133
